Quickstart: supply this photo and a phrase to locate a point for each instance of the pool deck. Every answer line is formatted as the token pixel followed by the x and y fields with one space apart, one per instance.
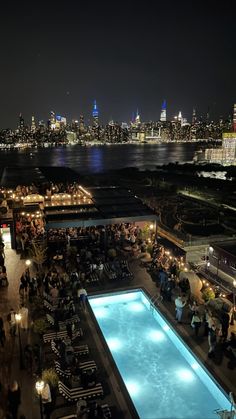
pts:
pixel 9 356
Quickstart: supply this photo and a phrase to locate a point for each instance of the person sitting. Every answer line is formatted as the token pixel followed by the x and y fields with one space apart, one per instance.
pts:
pixel 95 411
pixel 88 379
pixel 69 355
pixel 82 413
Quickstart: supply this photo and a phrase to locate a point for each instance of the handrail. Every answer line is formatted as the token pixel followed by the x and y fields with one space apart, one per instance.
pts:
pixel 154 299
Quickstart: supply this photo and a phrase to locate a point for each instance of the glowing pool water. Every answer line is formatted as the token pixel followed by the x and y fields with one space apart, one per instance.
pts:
pixel 161 374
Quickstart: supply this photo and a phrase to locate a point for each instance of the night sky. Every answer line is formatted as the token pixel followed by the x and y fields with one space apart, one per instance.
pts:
pixel 62 55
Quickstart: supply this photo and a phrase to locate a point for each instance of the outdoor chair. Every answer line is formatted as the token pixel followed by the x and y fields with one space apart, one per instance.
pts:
pixel 48 337
pixel 78 393
pixel 47 297
pixel 78 350
pixel 105 409
pixel 109 271
pixel 83 366
pixel 50 319
pixel 88 365
pixel 63 373
pixel 49 306
pixel 92 279
pixel 125 269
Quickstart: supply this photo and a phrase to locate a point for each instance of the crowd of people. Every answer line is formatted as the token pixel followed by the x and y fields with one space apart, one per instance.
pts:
pixel 204 321
pixel 65 279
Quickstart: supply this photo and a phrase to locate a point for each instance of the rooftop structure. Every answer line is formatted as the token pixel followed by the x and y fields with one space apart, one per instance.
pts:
pixel 96 206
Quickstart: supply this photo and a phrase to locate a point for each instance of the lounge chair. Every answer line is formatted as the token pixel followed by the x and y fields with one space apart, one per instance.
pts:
pixel 78 350
pixel 63 373
pixel 49 306
pixel 88 365
pixel 105 408
pixel 47 337
pixel 83 366
pixel 62 324
pixel 93 278
pixel 78 393
pixel 109 271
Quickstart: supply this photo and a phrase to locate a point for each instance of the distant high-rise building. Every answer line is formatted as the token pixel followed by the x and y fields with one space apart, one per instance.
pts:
pixel 163 111
pixel 52 120
pixel 21 122
pixel 137 119
pixel 234 118
pixel 60 122
pixel 208 115
pixel 81 123
pixel 95 110
pixel 95 113
pixel 33 124
pixel 133 118
pixel 194 117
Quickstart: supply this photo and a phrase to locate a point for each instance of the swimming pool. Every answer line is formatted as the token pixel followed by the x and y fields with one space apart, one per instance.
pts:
pixel 162 376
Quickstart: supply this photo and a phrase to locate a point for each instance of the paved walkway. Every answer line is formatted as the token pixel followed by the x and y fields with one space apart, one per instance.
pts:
pixel 9 356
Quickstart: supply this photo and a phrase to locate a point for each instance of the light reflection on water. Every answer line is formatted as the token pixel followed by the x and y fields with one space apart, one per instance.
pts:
pixel 97 159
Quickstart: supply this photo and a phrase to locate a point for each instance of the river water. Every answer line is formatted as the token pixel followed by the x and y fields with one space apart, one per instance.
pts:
pixel 98 159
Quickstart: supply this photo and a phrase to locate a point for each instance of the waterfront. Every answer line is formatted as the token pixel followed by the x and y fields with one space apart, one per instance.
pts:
pixel 98 159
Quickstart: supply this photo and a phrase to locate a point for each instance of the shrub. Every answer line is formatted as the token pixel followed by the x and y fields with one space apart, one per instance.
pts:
pixel 112 253
pixel 50 376
pixel 208 294
pixel 40 326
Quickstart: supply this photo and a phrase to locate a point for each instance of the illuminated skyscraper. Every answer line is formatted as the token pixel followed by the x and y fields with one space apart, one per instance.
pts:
pixel 180 116
pixel 95 113
pixel 81 124
pixel 137 119
pixel 194 117
pixel 52 120
pixel 234 118
pixel 33 125
pixel 21 123
pixel 163 111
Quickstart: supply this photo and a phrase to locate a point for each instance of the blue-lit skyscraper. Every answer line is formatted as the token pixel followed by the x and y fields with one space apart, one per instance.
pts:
pixel 95 110
pixel 95 114
pixel 163 111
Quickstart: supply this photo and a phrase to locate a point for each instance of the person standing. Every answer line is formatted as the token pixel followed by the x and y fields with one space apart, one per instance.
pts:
pixel 100 269
pixel 24 282
pixel 82 296
pixel 225 325
pixel 2 332
pixel 196 322
pixel 163 279
pixel 12 322
pixel 212 340
pixel 47 400
pixel 14 399
pixel 179 306
pixel 24 317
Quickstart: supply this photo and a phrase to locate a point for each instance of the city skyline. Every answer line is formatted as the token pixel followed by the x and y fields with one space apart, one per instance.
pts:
pixel 89 117
pixel 125 57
